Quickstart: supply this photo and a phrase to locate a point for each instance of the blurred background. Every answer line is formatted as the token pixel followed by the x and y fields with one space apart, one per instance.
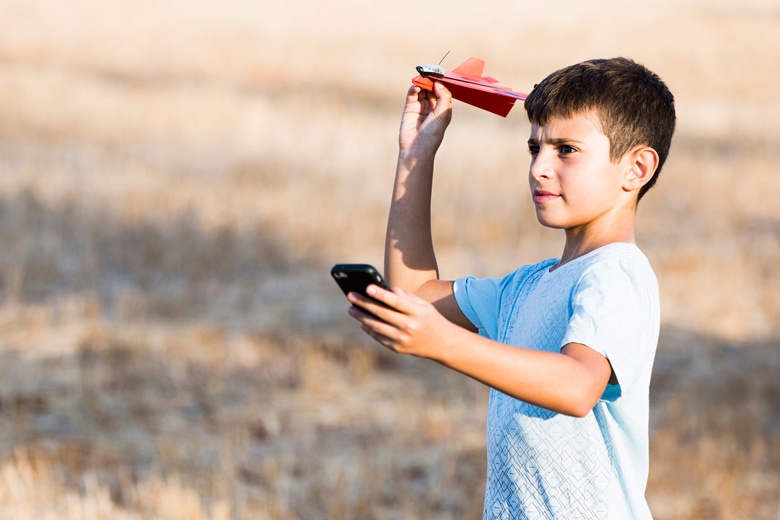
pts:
pixel 177 178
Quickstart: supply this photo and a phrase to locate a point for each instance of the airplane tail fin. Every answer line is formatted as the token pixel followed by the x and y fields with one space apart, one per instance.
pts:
pixel 471 67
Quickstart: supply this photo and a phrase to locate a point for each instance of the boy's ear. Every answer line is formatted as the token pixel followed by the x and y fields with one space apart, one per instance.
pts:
pixel 642 163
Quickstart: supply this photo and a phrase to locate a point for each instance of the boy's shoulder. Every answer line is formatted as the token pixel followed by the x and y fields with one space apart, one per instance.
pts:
pixel 618 258
pixel 616 268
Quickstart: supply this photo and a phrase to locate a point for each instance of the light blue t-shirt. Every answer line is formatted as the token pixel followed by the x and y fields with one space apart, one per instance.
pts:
pixel 545 465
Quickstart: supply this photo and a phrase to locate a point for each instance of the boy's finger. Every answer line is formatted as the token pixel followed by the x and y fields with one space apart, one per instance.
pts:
pixel 401 301
pixel 377 293
pixel 441 90
pixel 372 306
pixel 443 94
pixel 380 331
pixel 397 299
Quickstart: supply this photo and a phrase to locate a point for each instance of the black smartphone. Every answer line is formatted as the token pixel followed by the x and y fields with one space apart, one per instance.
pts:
pixel 357 277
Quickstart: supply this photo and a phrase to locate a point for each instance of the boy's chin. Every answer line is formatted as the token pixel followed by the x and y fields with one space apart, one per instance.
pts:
pixel 552 226
pixel 549 222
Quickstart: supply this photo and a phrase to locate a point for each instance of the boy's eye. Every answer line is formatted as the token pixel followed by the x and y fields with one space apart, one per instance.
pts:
pixel 566 149
pixel 533 149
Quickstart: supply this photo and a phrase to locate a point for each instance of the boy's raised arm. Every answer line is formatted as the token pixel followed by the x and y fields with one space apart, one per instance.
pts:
pixel 409 257
pixel 410 261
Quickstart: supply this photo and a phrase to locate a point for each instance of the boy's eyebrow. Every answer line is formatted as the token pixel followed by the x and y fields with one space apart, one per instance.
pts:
pixel 555 141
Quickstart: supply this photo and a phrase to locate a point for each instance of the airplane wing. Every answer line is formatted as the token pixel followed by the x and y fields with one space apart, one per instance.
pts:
pixel 467 84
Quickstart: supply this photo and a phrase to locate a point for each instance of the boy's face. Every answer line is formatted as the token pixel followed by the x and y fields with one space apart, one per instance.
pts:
pixel 574 183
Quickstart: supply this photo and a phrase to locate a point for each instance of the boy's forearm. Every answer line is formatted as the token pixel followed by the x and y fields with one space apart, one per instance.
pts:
pixel 570 381
pixel 559 382
pixel 410 260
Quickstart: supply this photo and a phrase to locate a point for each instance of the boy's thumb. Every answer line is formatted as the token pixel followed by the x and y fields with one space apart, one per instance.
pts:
pixel 442 91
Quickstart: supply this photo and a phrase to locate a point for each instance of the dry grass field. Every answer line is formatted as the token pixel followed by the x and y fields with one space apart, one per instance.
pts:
pixel 176 179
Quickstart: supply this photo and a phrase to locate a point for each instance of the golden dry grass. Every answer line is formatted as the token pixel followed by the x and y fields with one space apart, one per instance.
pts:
pixel 177 177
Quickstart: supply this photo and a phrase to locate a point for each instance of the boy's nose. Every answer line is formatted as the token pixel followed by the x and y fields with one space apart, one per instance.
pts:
pixel 540 167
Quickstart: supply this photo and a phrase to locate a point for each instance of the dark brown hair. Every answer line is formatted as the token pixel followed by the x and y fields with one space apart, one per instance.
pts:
pixel 633 104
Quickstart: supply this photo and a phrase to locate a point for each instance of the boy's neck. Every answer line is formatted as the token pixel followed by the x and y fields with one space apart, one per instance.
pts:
pixel 581 241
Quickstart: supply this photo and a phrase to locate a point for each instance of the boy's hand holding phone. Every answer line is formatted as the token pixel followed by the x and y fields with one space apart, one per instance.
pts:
pixel 399 321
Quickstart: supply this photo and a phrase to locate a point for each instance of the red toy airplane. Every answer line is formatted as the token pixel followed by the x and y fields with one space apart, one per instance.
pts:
pixel 467 84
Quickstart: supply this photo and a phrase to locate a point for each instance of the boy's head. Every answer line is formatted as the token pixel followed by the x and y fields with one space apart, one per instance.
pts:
pixel 632 104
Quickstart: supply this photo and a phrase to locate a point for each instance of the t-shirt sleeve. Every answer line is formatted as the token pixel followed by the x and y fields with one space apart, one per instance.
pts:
pixel 615 312
pixel 479 299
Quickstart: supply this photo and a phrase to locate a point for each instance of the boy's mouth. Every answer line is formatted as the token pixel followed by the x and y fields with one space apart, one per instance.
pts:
pixel 542 196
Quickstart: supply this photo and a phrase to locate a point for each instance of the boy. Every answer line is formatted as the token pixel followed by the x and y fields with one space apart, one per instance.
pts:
pixel 566 345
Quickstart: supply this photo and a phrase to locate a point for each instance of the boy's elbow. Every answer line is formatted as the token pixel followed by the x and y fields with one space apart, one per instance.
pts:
pixel 585 383
pixel 582 409
pixel 582 401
